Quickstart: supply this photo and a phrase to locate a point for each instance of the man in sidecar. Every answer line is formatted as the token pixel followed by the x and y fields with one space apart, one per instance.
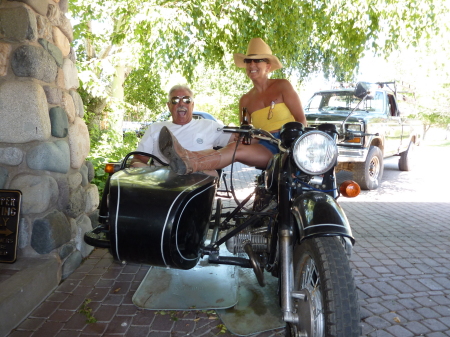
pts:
pixel 193 134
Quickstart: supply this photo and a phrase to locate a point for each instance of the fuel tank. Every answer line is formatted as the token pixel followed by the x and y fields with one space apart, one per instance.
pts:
pixel 159 218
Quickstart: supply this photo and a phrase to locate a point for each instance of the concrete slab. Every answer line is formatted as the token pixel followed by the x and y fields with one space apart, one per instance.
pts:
pixel 29 283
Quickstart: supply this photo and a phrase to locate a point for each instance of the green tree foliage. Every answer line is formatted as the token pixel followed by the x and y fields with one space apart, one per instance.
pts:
pixel 106 149
pixel 436 115
pixel 436 112
pixel 423 65
pixel 158 37
pixel 143 93
pixel 218 93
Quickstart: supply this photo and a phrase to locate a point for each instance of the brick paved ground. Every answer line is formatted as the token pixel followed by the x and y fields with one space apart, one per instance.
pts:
pixel 401 264
pixel 401 261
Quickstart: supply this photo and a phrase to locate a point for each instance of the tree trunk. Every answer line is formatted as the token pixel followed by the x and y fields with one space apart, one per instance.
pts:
pixel 425 130
pixel 118 108
pixel 96 112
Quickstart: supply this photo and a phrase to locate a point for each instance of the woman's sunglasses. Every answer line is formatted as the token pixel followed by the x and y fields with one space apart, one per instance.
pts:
pixel 176 99
pixel 255 60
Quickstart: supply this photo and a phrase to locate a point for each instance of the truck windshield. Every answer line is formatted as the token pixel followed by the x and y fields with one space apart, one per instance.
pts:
pixel 344 101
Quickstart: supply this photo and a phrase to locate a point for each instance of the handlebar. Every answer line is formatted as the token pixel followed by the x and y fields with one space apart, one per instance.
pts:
pixel 248 131
pixel 235 129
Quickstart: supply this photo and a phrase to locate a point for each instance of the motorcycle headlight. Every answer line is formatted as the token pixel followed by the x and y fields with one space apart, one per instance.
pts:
pixel 315 152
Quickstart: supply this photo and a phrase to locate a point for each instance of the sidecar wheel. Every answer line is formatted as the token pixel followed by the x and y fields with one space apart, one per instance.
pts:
pixel 322 274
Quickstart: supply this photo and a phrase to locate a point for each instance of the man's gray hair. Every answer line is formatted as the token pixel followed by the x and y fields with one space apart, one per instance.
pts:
pixel 180 87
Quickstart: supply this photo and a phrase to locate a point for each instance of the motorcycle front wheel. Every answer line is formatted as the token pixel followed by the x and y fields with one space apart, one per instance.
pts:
pixel 328 301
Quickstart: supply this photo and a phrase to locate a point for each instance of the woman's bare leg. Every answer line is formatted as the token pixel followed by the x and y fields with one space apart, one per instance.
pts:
pixel 183 161
pixel 252 155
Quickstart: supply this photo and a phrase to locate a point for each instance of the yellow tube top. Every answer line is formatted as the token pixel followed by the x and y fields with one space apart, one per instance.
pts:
pixel 281 115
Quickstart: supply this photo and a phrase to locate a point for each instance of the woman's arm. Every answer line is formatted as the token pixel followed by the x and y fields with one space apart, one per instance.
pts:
pixel 292 101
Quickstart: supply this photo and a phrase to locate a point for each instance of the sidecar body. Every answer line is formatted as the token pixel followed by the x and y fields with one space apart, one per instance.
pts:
pixel 157 217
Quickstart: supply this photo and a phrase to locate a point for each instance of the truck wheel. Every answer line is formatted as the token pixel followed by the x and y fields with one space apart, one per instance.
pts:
pixel 368 174
pixel 406 161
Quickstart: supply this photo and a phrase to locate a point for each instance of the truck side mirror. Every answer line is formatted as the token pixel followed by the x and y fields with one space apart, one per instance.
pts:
pixel 362 89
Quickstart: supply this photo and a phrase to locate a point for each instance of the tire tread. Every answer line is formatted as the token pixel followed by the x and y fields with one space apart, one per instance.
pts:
pixel 340 297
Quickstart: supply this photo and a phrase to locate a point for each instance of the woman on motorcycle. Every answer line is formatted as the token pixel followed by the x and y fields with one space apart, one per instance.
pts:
pixel 270 104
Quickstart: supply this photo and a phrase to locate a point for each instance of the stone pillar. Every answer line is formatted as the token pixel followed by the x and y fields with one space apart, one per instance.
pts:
pixel 43 138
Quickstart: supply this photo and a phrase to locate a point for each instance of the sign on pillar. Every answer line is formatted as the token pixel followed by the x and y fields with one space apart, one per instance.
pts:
pixel 9 224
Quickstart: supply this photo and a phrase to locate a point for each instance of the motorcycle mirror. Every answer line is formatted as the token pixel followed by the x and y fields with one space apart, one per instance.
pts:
pixel 362 91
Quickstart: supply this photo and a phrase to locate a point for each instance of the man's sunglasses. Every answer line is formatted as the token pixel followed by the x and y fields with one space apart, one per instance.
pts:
pixel 255 60
pixel 176 99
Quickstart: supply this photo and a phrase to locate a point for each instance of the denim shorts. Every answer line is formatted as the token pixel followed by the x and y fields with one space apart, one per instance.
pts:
pixel 271 146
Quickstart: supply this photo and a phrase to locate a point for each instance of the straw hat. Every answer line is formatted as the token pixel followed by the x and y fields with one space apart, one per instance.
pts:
pixel 258 49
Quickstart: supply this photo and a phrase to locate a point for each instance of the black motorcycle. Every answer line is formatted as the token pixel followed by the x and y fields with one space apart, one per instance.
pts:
pixel 294 232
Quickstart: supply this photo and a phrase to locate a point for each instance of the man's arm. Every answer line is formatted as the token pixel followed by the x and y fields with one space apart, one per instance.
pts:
pixel 220 138
pixel 145 145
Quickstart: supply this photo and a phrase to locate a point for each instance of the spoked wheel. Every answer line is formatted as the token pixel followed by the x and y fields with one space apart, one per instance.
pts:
pixel 326 302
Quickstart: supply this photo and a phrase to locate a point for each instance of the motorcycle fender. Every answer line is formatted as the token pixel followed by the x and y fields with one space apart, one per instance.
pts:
pixel 318 214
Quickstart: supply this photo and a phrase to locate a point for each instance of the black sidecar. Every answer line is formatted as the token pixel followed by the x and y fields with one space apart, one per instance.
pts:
pixel 156 217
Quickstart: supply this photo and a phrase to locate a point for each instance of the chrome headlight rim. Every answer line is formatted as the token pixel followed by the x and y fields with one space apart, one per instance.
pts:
pixel 330 160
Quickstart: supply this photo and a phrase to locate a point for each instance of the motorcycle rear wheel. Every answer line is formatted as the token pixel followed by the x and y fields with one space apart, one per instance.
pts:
pixel 322 273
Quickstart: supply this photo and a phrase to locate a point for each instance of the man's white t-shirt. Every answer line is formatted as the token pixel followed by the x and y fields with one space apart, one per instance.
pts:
pixel 197 135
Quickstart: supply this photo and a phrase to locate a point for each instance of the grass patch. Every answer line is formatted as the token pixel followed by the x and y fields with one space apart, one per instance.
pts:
pixel 87 311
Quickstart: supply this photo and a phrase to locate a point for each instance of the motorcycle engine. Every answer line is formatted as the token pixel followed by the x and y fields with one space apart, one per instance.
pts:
pixel 257 238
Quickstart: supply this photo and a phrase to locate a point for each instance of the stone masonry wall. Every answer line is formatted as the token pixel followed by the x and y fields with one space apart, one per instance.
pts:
pixel 43 138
